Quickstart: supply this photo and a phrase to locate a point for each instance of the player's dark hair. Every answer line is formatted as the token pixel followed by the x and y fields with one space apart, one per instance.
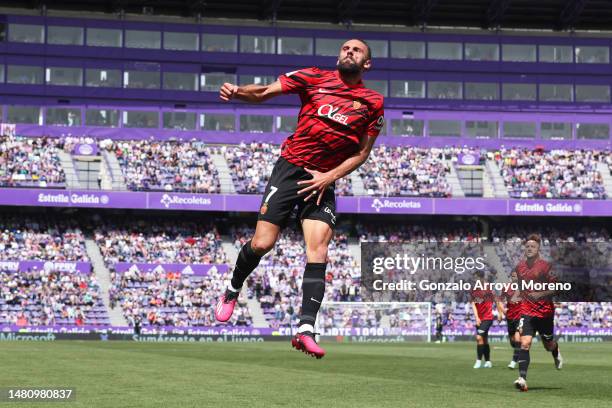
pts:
pixel 534 237
pixel 368 50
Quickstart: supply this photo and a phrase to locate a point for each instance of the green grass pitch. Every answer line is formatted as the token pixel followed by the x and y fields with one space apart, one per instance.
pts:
pixel 128 374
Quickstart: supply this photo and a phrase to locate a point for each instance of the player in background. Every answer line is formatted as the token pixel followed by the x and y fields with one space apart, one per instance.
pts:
pixel 439 327
pixel 337 125
pixel 513 316
pixel 482 306
pixel 537 309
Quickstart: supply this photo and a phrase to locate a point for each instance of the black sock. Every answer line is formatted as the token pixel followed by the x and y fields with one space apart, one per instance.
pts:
pixel 487 352
pixel 517 347
pixel 245 264
pixel 313 290
pixel 523 362
pixel 479 351
pixel 555 351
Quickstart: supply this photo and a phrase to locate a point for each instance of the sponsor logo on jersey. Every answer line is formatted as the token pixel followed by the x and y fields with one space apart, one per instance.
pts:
pixel 325 91
pixel 332 113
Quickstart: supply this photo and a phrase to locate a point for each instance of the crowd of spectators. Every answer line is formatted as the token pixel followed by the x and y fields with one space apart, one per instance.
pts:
pixel 46 297
pixel 251 165
pixel 167 166
pixel 31 162
pixel 160 298
pixel 405 171
pixel 187 166
pixel 42 297
pixel 160 242
pixel 551 174
pixel 37 238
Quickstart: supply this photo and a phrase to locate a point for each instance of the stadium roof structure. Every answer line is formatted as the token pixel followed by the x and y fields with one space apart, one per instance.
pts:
pixel 488 14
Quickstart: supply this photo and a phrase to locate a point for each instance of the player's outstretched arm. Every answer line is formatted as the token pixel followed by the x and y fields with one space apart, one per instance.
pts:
pixel 250 93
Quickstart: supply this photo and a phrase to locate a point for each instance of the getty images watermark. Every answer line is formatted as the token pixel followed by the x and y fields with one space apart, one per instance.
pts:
pixel 452 272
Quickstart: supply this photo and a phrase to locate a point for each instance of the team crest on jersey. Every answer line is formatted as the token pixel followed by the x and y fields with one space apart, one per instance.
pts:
pixel 356 104
pixel 264 209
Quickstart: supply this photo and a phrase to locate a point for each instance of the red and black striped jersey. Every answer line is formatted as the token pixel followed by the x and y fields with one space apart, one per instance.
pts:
pixel 333 118
pixel 540 272
pixel 513 299
pixel 483 299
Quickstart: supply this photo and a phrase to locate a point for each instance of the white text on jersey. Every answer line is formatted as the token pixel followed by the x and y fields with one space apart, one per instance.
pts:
pixel 331 112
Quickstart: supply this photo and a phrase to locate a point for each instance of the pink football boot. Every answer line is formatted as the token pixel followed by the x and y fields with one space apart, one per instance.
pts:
pixel 305 342
pixel 225 305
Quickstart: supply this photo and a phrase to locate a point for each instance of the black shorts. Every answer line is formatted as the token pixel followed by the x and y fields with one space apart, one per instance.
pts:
pixel 483 329
pixel 513 325
pixel 280 197
pixel 529 325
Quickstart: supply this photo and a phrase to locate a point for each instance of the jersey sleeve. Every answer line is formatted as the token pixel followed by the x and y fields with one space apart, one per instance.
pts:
pixel 377 119
pixel 298 81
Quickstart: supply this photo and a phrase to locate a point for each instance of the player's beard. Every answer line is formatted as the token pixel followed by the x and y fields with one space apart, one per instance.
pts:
pixel 349 68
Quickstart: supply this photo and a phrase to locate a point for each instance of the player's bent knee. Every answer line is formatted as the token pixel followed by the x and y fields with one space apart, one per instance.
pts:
pixel 550 345
pixel 262 246
pixel 317 254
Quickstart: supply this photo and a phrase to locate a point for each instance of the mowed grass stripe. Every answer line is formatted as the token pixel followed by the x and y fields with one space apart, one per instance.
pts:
pixel 270 374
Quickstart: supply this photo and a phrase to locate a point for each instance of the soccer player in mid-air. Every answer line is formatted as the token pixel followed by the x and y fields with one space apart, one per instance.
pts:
pixel 537 309
pixel 513 316
pixel 337 125
pixel 482 306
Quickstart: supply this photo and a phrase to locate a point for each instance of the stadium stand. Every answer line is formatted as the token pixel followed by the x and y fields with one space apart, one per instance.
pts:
pixel 47 297
pixel 167 166
pixel 157 298
pixel 167 298
pixel 170 241
pixel 30 162
pixel 405 171
pixel 40 238
pixel 551 174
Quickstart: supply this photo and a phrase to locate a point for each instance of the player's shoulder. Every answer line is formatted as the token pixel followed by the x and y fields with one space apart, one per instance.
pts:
pixel 310 71
pixel 521 264
pixel 374 97
pixel 543 263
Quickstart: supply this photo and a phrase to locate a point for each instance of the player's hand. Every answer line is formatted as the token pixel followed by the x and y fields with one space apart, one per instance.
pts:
pixel 316 185
pixel 478 322
pixel 228 91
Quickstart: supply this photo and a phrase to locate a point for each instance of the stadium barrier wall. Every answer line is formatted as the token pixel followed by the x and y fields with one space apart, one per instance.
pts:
pixel 249 334
pixel 185 269
pixel 354 205
pixel 23 266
